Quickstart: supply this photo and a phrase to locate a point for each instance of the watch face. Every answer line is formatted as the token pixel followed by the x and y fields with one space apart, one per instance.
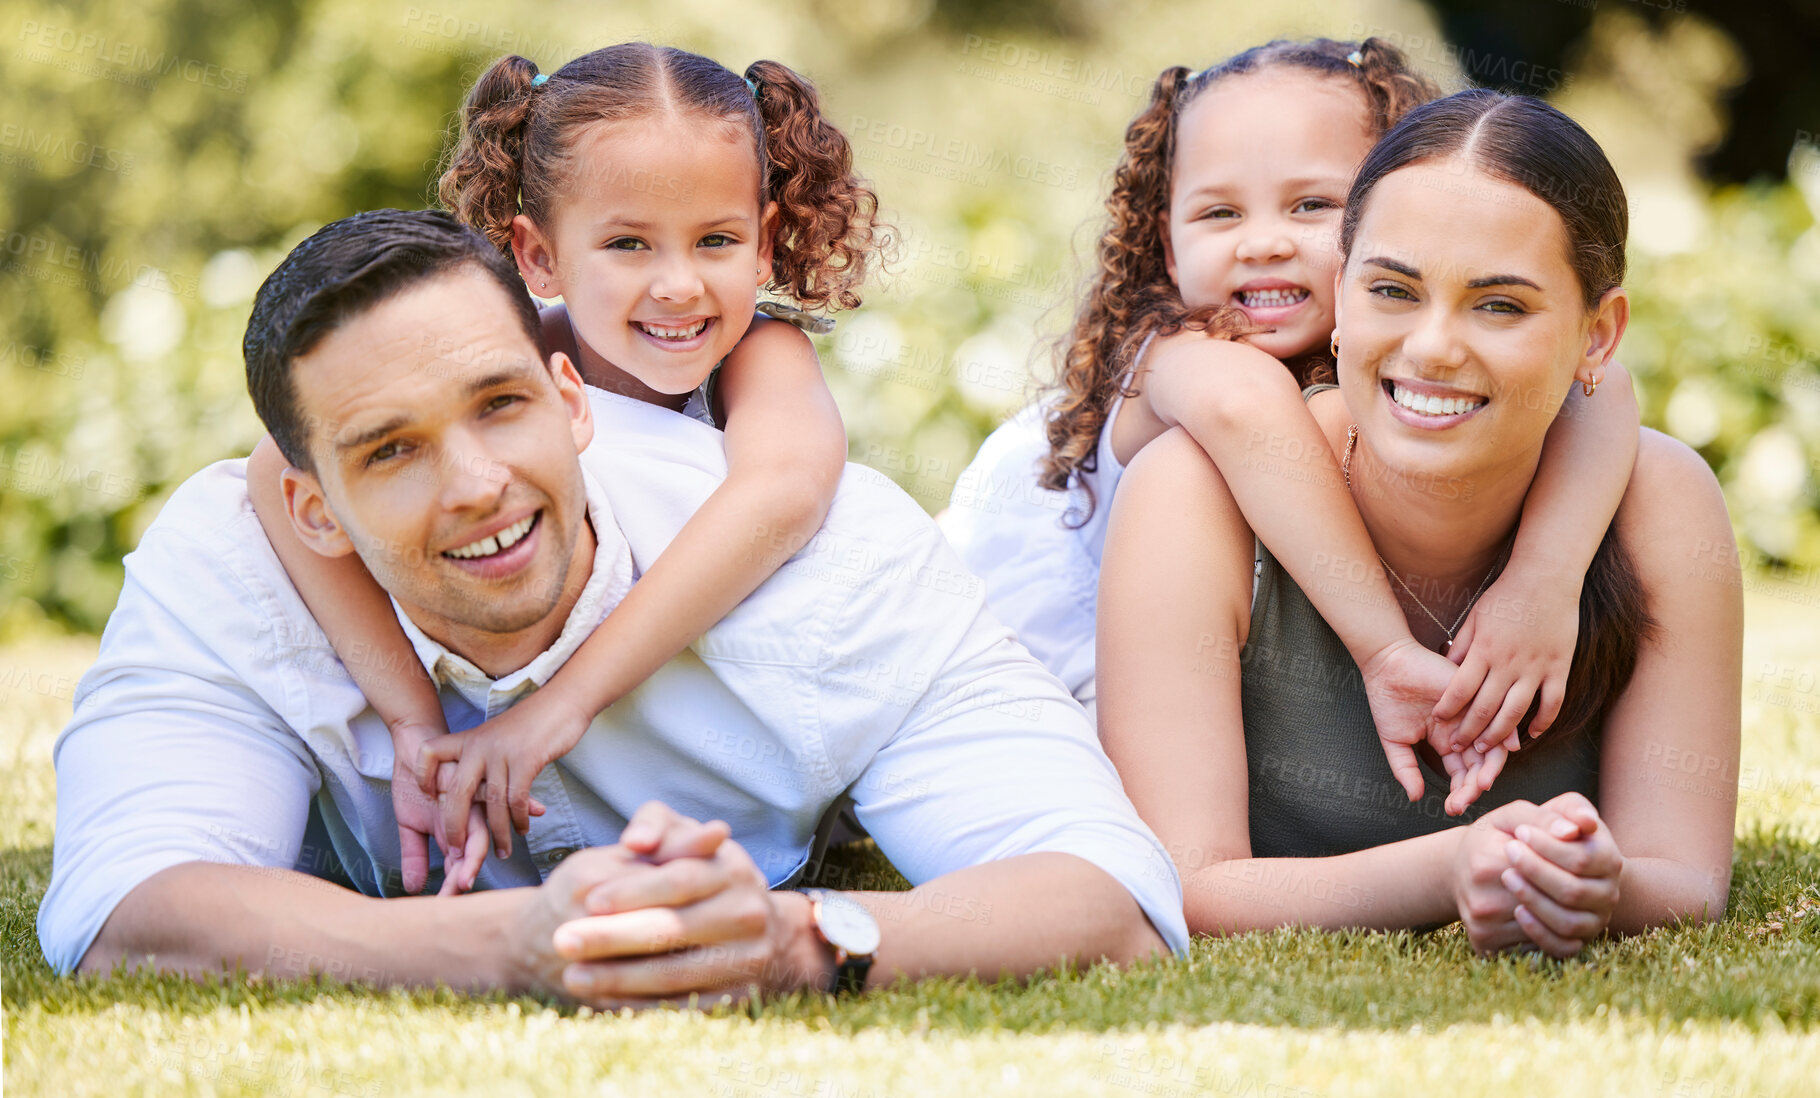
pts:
pixel 846 924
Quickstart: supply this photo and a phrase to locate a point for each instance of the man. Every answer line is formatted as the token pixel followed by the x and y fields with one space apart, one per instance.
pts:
pixel 216 730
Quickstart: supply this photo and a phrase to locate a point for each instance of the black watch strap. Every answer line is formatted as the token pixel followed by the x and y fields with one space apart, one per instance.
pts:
pixel 849 973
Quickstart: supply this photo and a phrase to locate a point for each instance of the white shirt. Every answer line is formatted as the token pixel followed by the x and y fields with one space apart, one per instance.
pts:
pixel 1039 560
pixel 217 713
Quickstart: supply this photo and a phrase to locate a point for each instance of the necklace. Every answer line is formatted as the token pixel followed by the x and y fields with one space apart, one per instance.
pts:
pixel 1352 439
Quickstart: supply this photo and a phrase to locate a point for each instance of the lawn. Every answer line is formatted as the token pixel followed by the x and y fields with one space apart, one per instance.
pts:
pixel 1722 1011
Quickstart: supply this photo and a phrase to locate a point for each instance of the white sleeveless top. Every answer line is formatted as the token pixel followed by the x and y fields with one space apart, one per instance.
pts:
pixel 1042 574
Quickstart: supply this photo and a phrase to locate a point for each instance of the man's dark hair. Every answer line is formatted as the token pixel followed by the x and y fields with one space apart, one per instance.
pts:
pixel 341 271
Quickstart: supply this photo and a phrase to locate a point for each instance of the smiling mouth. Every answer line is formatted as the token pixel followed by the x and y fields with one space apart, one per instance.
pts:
pixel 672 334
pixel 1428 405
pixel 1272 299
pixel 496 543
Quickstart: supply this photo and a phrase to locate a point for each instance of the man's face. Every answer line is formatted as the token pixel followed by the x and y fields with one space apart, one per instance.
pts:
pixel 445 453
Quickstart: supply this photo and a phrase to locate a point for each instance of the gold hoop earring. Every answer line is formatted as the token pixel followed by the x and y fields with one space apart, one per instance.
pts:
pixel 1333 344
pixel 1587 387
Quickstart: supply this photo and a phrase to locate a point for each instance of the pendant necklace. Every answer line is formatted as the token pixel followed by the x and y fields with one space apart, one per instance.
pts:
pixel 1352 438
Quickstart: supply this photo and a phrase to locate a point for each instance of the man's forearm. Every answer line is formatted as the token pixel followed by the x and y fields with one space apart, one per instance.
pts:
pixel 204 917
pixel 1013 916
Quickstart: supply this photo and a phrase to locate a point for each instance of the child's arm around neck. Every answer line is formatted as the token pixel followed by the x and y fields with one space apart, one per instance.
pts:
pixel 786 448
pixel 1244 408
pixel 1521 636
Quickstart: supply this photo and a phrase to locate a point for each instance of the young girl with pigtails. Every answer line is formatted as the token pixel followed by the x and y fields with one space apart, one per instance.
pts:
pixel 655 193
pixel 1212 305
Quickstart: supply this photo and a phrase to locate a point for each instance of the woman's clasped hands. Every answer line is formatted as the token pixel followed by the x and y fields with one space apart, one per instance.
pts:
pixel 1542 877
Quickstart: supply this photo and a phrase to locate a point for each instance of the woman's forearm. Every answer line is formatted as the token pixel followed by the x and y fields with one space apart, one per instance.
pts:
pixel 1656 891
pixel 1398 886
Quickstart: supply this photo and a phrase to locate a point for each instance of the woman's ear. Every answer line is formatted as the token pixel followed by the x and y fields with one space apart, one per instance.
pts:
pixel 1339 279
pixel 308 508
pixel 536 258
pixel 767 240
pixel 1609 319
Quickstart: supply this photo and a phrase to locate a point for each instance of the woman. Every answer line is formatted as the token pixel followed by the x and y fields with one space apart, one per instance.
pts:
pixel 1483 246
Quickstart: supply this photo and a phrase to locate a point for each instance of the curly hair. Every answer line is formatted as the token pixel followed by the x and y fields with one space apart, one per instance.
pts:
pixel 1131 296
pixel 517 135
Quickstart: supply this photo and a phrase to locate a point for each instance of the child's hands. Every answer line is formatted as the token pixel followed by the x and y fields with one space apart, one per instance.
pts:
pixel 418 820
pixel 1399 681
pixel 1518 640
pixel 500 759
pixel 1470 773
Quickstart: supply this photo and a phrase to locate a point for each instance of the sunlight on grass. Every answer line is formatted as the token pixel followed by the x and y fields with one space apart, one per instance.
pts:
pixel 1719 1011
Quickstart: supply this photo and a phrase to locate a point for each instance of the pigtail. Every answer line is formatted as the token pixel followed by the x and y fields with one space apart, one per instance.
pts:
pixel 827 231
pixel 481 183
pixel 1391 85
pixel 1131 284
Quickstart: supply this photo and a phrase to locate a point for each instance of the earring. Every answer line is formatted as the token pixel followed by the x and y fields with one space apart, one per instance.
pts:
pixel 1333 345
pixel 1587 387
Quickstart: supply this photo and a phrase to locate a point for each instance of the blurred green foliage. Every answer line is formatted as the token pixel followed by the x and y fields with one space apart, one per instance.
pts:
pixel 158 158
pixel 1724 346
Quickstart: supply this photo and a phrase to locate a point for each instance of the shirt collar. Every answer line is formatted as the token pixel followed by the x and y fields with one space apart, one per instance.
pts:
pixel 608 583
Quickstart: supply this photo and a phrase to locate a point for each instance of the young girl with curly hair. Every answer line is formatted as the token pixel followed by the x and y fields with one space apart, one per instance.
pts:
pixel 655 192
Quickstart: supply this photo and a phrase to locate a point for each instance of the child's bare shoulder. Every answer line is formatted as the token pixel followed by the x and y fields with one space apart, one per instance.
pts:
pixel 774 337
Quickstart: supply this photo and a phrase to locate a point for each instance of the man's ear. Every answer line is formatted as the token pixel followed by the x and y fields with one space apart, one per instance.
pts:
pixel 1610 317
pixel 1162 225
pixel 767 240
pixel 536 258
pixel 316 526
pixel 574 396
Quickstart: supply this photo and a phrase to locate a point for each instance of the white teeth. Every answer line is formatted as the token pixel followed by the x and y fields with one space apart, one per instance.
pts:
pixel 677 334
pixel 1271 299
pixel 494 543
pixel 1432 405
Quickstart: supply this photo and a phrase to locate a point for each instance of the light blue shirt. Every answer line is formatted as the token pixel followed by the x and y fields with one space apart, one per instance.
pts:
pixel 217 713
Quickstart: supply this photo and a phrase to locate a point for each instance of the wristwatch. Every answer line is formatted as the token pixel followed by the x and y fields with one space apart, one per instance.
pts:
pixel 845 924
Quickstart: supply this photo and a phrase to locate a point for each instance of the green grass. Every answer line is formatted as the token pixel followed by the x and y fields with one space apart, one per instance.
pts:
pixel 1720 1011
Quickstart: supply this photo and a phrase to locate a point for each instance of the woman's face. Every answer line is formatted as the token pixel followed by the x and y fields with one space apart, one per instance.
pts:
pixel 1461 323
pixel 1262 163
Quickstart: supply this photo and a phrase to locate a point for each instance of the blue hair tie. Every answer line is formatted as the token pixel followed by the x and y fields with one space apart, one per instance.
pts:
pixel 537 81
pixel 750 86
pixel 1354 58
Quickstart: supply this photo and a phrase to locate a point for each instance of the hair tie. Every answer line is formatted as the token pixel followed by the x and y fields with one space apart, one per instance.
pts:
pixel 538 80
pixel 1354 58
pixel 751 86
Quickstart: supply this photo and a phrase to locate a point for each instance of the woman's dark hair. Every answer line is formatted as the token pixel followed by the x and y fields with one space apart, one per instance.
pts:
pixel 1132 296
pixel 1523 141
pixel 517 136
pixel 1528 143
pixel 342 270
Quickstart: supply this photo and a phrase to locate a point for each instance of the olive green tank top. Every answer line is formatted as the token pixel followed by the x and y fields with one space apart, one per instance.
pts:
pixel 1319 782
